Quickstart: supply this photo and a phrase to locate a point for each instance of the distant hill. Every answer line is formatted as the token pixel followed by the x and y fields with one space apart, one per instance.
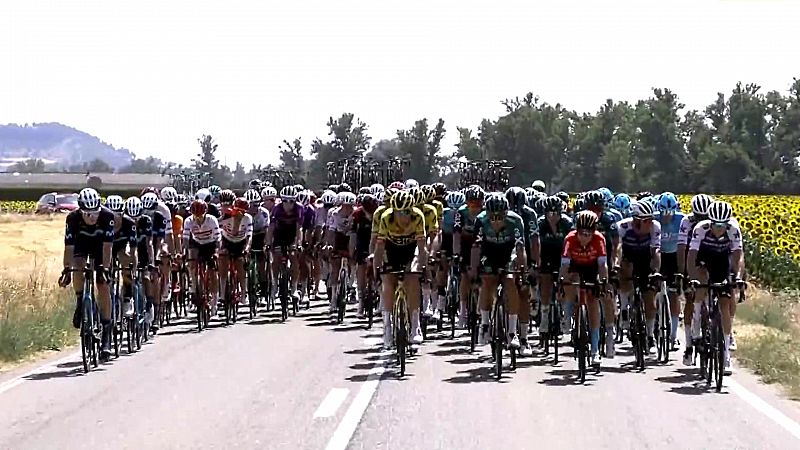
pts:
pixel 56 144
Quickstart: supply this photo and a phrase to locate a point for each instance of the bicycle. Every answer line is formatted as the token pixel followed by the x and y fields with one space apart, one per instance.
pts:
pixel 253 294
pixel 283 283
pixel 473 322
pixel 370 296
pixel 401 325
pixel 582 342
pixel 553 332
pixel 116 308
pixel 90 330
pixel 452 293
pixel 233 293
pixel 343 291
pixel 638 332
pixel 498 325
pixel 202 293
pixel 663 327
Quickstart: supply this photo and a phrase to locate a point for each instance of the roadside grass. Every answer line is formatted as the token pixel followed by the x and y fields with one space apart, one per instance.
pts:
pixel 768 338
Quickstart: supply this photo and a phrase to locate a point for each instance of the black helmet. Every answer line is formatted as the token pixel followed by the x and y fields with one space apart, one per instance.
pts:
pixel 516 198
pixel 585 220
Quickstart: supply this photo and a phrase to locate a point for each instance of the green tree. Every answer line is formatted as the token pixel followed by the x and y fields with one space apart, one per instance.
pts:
pixel 31 165
pixel 292 157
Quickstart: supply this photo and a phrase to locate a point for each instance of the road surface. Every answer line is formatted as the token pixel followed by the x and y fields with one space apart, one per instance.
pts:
pixel 310 384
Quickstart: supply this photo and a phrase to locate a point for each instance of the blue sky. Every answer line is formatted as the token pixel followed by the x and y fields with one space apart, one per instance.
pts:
pixel 153 76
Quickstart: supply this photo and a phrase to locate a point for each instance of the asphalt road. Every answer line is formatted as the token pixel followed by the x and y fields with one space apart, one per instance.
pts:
pixel 310 384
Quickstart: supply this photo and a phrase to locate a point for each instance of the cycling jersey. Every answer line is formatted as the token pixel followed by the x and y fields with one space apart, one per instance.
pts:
pixel 531 223
pixel 283 219
pixel 464 221
pixel 309 218
pixel 260 217
pixel 201 233
pixel 162 219
pixel 321 216
pixel 670 232
pixel 177 224
pixel 361 227
pixel 214 210
pixel 80 233
pixel 236 228
pixel 338 222
pixel 592 254
pixel 391 230
pixel 704 240
pixel 551 239
pixel 633 242
pixel 376 217
pixel 144 230
pixel 615 214
pixel 125 235
pixel 448 220
pixel 431 220
pixel 685 228
pixel 511 233
pixel 439 211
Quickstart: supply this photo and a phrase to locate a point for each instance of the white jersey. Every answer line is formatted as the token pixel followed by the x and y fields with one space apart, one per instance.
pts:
pixel 338 222
pixel 163 209
pixel 202 233
pixel 260 220
pixel 320 216
pixel 704 239
pixel 234 232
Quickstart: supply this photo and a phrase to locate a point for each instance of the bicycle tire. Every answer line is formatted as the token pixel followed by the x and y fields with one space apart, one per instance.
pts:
pixel 401 341
pixel 719 354
pixel 85 352
pixel 555 327
pixel 369 300
pixel 341 296
pixel 498 338
pixel 602 340
pixel 453 305
pixel 581 352
pixel 283 289
pixel 473 320
pixel 129 334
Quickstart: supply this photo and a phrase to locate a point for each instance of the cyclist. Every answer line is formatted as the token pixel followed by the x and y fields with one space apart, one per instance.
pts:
pixel 553 227
pixel 464 233
pixel 163 248
pixel 517 203
pixel 401 232
pixel 145 252
pixel 607 220
pixel 90 234
pixel 431 231
pixel 205 195
pixel 670 219
pixel 339 234
pixel 499 244
pixel 258 242
pixel 539 186
pixel 124 238
pixel 622 203
pixel 584 259
pixel 327 201
pixel 637 256
pixel 699 205
pixel 214 191
pixel 360 237
pixel 286 224
pixel 714 252
pixel 453 201
pixel 201 232
pixel 236 228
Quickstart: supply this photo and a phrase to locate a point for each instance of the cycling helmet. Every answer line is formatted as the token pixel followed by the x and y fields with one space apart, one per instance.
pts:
pixel 169 194
pixel 641 210
pixel 304 197
pixel 269 193
pixel 346 198
pixel 375 188
pixel 198 208
pixel 622 202
pixel 516 198
pixel 266 184
pixel 214 190
pixel 720 211
pixel 344 187
pixel 369 203
pixel 419 196
pixel 88 199
pixel 115 203
pixel 388 194
pixel 552 204
pixel 440 188
pixel 300 187
pixel 411 183
pixel 455 199
pixel 148 190
pixel 241 204
pixel 700 204
pixel 254 184
pixel 594 199
pixel 133 207
pixel 149 201
pixel 538 186
pixel 364 190
pixel 563 196
pixel 608 196
pixel 328 198
pixel 474 193
pixel 203 194
pixel 402 201
pixel 643 194
pixel 288 193
pixel 182 200
pixel 397 185
pixel 668 203
pixel 496 203
pixel 252 196
pixel 334 188
pixel 379 197
pixel 585 220
pixel 429 191
pixel 227 196
pixel 579 205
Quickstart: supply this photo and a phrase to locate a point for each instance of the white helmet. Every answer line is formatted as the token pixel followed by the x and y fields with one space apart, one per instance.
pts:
pixel 88 199
pixel 289 193
pixel 202 194
pixel 133 207
pixel 700 204
pixel 346 198
pixel 252 196
pixel 149 201
pixel 411 183
pixel 269 192
pixel 214 190
pixel 720 211
pixel 169 194
pixel 375 188
pixel 328 198
pixel 641 209
pixel 115 203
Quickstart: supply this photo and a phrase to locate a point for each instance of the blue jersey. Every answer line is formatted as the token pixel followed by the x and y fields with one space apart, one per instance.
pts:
pixel 448 220
pixel 669 232
pixel 615 214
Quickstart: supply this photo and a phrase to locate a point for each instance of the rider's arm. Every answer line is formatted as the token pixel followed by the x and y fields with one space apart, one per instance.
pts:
pixel 108 240
pixel 655 247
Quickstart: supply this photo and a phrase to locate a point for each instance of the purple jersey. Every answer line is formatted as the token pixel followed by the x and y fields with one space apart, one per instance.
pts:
pixel 282 219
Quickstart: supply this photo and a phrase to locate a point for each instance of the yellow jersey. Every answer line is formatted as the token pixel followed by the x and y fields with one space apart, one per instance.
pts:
pixel 439 212
pixel 376 218
pixel 390 229
pixel 431 219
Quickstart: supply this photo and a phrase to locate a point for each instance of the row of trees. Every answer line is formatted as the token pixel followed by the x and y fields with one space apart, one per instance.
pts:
pixel 744 142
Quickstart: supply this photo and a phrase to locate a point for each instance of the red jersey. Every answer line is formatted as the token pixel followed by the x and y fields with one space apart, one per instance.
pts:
pixel 584 256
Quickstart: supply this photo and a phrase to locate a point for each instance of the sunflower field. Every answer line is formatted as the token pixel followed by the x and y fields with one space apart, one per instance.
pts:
pixel 771 229
pixel 17 206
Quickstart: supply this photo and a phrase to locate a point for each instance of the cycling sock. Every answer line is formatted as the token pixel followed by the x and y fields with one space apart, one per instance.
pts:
pixel 696 319
pixel 650 324
pixel 595 339
pixel 609 332
pixel 426 297
pixel 569 308
pixel 727 343
pixel 674 327
pixel 415 319
pixel 441 303
pixel 512 324
pixel 484 317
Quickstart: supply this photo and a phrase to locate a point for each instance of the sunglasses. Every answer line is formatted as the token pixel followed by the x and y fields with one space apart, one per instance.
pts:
pixel 91 214
pixel 497 217
pixel 585 233
pixel 640 220
pixel 404 213
pixel 719 224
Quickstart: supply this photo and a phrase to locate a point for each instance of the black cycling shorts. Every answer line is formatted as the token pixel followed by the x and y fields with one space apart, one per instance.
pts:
pixel 399 257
